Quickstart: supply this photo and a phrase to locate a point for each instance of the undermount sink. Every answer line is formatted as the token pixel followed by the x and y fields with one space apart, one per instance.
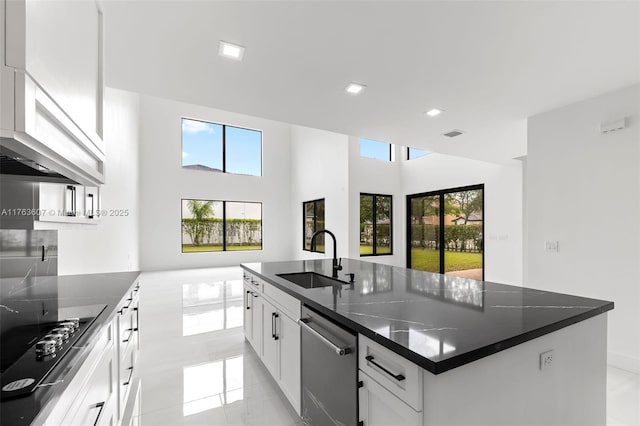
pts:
pixel 311 280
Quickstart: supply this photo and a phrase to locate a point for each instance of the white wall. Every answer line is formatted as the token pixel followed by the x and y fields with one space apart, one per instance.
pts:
pixel 163 183
pixel 376 177
pixel 319 169
pixel 583 190
pixel 502 205
pixel 111 246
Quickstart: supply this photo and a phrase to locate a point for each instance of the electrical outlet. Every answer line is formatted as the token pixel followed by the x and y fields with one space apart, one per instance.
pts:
pixel 546 359
pixel 551 246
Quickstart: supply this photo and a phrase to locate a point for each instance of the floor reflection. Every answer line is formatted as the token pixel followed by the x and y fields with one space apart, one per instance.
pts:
pixel 212 385
pixel 208 307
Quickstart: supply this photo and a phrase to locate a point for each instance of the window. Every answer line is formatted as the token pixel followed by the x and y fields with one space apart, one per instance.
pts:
pixel 375 225
pixel 313 217
pixel 446 232
pixel 221 148
pixel 413 153
pixel 210 225
pixel 374 149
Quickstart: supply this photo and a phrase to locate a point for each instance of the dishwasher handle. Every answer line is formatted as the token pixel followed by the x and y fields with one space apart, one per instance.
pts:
pixel 339 350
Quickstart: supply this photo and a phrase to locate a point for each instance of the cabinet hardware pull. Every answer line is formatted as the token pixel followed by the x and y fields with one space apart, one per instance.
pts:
pixel 341 351
pixel 100 406
pixel 247 299
pixel 128 304
pixel 398 377
pixel 128 382
pixel 254 295
pixel 274 332
pixel 130 330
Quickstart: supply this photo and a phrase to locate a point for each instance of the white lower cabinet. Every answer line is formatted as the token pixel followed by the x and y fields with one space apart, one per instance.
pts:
pixel 106 382
pixel 380 407
pixel 274 334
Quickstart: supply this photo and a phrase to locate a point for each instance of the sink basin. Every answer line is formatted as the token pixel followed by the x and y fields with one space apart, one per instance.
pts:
pixel 310 279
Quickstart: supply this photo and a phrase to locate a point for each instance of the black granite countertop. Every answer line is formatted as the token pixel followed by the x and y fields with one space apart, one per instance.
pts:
pixel 71 291
pixel 437 321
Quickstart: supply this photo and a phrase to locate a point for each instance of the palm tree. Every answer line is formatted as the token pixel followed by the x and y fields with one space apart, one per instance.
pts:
pixel 200 210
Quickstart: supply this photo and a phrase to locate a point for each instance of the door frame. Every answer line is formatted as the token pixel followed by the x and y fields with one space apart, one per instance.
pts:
pixel 441 193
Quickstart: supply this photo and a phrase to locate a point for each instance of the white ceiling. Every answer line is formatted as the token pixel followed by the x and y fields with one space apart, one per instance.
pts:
pixel 489 64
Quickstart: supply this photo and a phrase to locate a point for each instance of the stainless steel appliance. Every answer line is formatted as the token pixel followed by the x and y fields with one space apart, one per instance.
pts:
pixel 329 371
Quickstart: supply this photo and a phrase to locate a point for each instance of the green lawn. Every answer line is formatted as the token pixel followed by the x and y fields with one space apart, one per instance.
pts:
pixel 429 260
pixel 188 248
pixel 368 249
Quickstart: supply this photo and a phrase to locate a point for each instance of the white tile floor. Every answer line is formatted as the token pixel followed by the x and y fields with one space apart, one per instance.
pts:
pixel 196 368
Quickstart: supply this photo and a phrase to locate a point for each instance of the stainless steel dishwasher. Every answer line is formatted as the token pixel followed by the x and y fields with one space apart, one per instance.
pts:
pixel 329 371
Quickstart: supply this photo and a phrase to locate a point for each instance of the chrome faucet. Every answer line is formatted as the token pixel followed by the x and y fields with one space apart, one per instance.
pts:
pixel 337 265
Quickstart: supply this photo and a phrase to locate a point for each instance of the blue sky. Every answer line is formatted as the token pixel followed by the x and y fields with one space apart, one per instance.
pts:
pixel 202 144
pixel 374 149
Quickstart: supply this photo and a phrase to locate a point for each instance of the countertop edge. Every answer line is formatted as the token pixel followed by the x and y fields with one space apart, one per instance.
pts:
pixel 448 364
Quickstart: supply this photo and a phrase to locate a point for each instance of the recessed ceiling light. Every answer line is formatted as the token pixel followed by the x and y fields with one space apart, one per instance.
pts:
pixel 434 112
pixel 355 88
pixel 230 50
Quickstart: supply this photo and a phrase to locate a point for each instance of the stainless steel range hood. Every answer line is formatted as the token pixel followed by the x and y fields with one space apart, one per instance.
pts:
pixel 19 167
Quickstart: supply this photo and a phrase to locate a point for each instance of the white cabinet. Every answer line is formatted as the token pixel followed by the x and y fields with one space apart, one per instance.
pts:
pixel 91 396
pixel 270 325
pixel 253 318
pixel 289 332
pixel 62 203
pixel 128 326
pixel 53 86
pixel 379 407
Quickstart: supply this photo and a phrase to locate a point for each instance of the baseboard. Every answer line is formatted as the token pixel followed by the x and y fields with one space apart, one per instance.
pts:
pixel 624 362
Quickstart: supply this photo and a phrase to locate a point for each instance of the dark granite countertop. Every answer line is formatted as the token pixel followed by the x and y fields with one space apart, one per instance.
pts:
pixel 71 291
pixel 437 321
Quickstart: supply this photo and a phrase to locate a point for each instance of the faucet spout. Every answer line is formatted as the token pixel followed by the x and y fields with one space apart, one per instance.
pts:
pixel 337 266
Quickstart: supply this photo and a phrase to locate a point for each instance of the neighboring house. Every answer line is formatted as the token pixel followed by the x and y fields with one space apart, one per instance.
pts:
pixel 474 218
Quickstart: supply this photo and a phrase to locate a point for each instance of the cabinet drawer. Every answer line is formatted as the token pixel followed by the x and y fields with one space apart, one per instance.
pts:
pixel 288 304
pixel 395 373
pixel 98 400
pixel 379 407
pixel 126 374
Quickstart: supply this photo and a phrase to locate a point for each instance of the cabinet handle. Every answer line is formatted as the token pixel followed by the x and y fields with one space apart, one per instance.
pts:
pixel 274 332
pixel 99 406
pixel 126 307
pixel 247 299
pixel 254 295
pixel 131 331
pixel 398 377
pixel 128 382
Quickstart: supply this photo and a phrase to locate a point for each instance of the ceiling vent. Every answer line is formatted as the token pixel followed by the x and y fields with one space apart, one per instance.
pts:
pixel 453 133
pixel 613 126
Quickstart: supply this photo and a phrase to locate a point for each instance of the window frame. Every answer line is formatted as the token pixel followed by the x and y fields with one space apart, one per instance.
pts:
pixel 224 145
pixel 441 196
pixel 374 223
pixel 315 219
pixel 224 226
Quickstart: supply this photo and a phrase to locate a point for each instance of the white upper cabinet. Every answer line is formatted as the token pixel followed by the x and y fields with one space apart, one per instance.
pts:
pixel 54 66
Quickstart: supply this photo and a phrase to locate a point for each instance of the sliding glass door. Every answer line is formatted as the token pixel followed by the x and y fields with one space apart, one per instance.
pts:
pixel 446 231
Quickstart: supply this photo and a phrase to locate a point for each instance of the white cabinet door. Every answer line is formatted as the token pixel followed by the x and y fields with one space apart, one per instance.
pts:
pixel 248 320
pixel 270 345
pixel 379 407
pixel 99 402
pixel 289 337
pixel 63 53
pixel 256 322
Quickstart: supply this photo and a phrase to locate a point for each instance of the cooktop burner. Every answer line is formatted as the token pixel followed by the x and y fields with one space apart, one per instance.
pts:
pixel 28 372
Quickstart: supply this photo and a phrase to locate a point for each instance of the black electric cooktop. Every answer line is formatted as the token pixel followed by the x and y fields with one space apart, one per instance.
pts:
pixel 30 351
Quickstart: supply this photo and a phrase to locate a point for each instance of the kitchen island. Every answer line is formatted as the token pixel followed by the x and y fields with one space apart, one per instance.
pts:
pixel 487 353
